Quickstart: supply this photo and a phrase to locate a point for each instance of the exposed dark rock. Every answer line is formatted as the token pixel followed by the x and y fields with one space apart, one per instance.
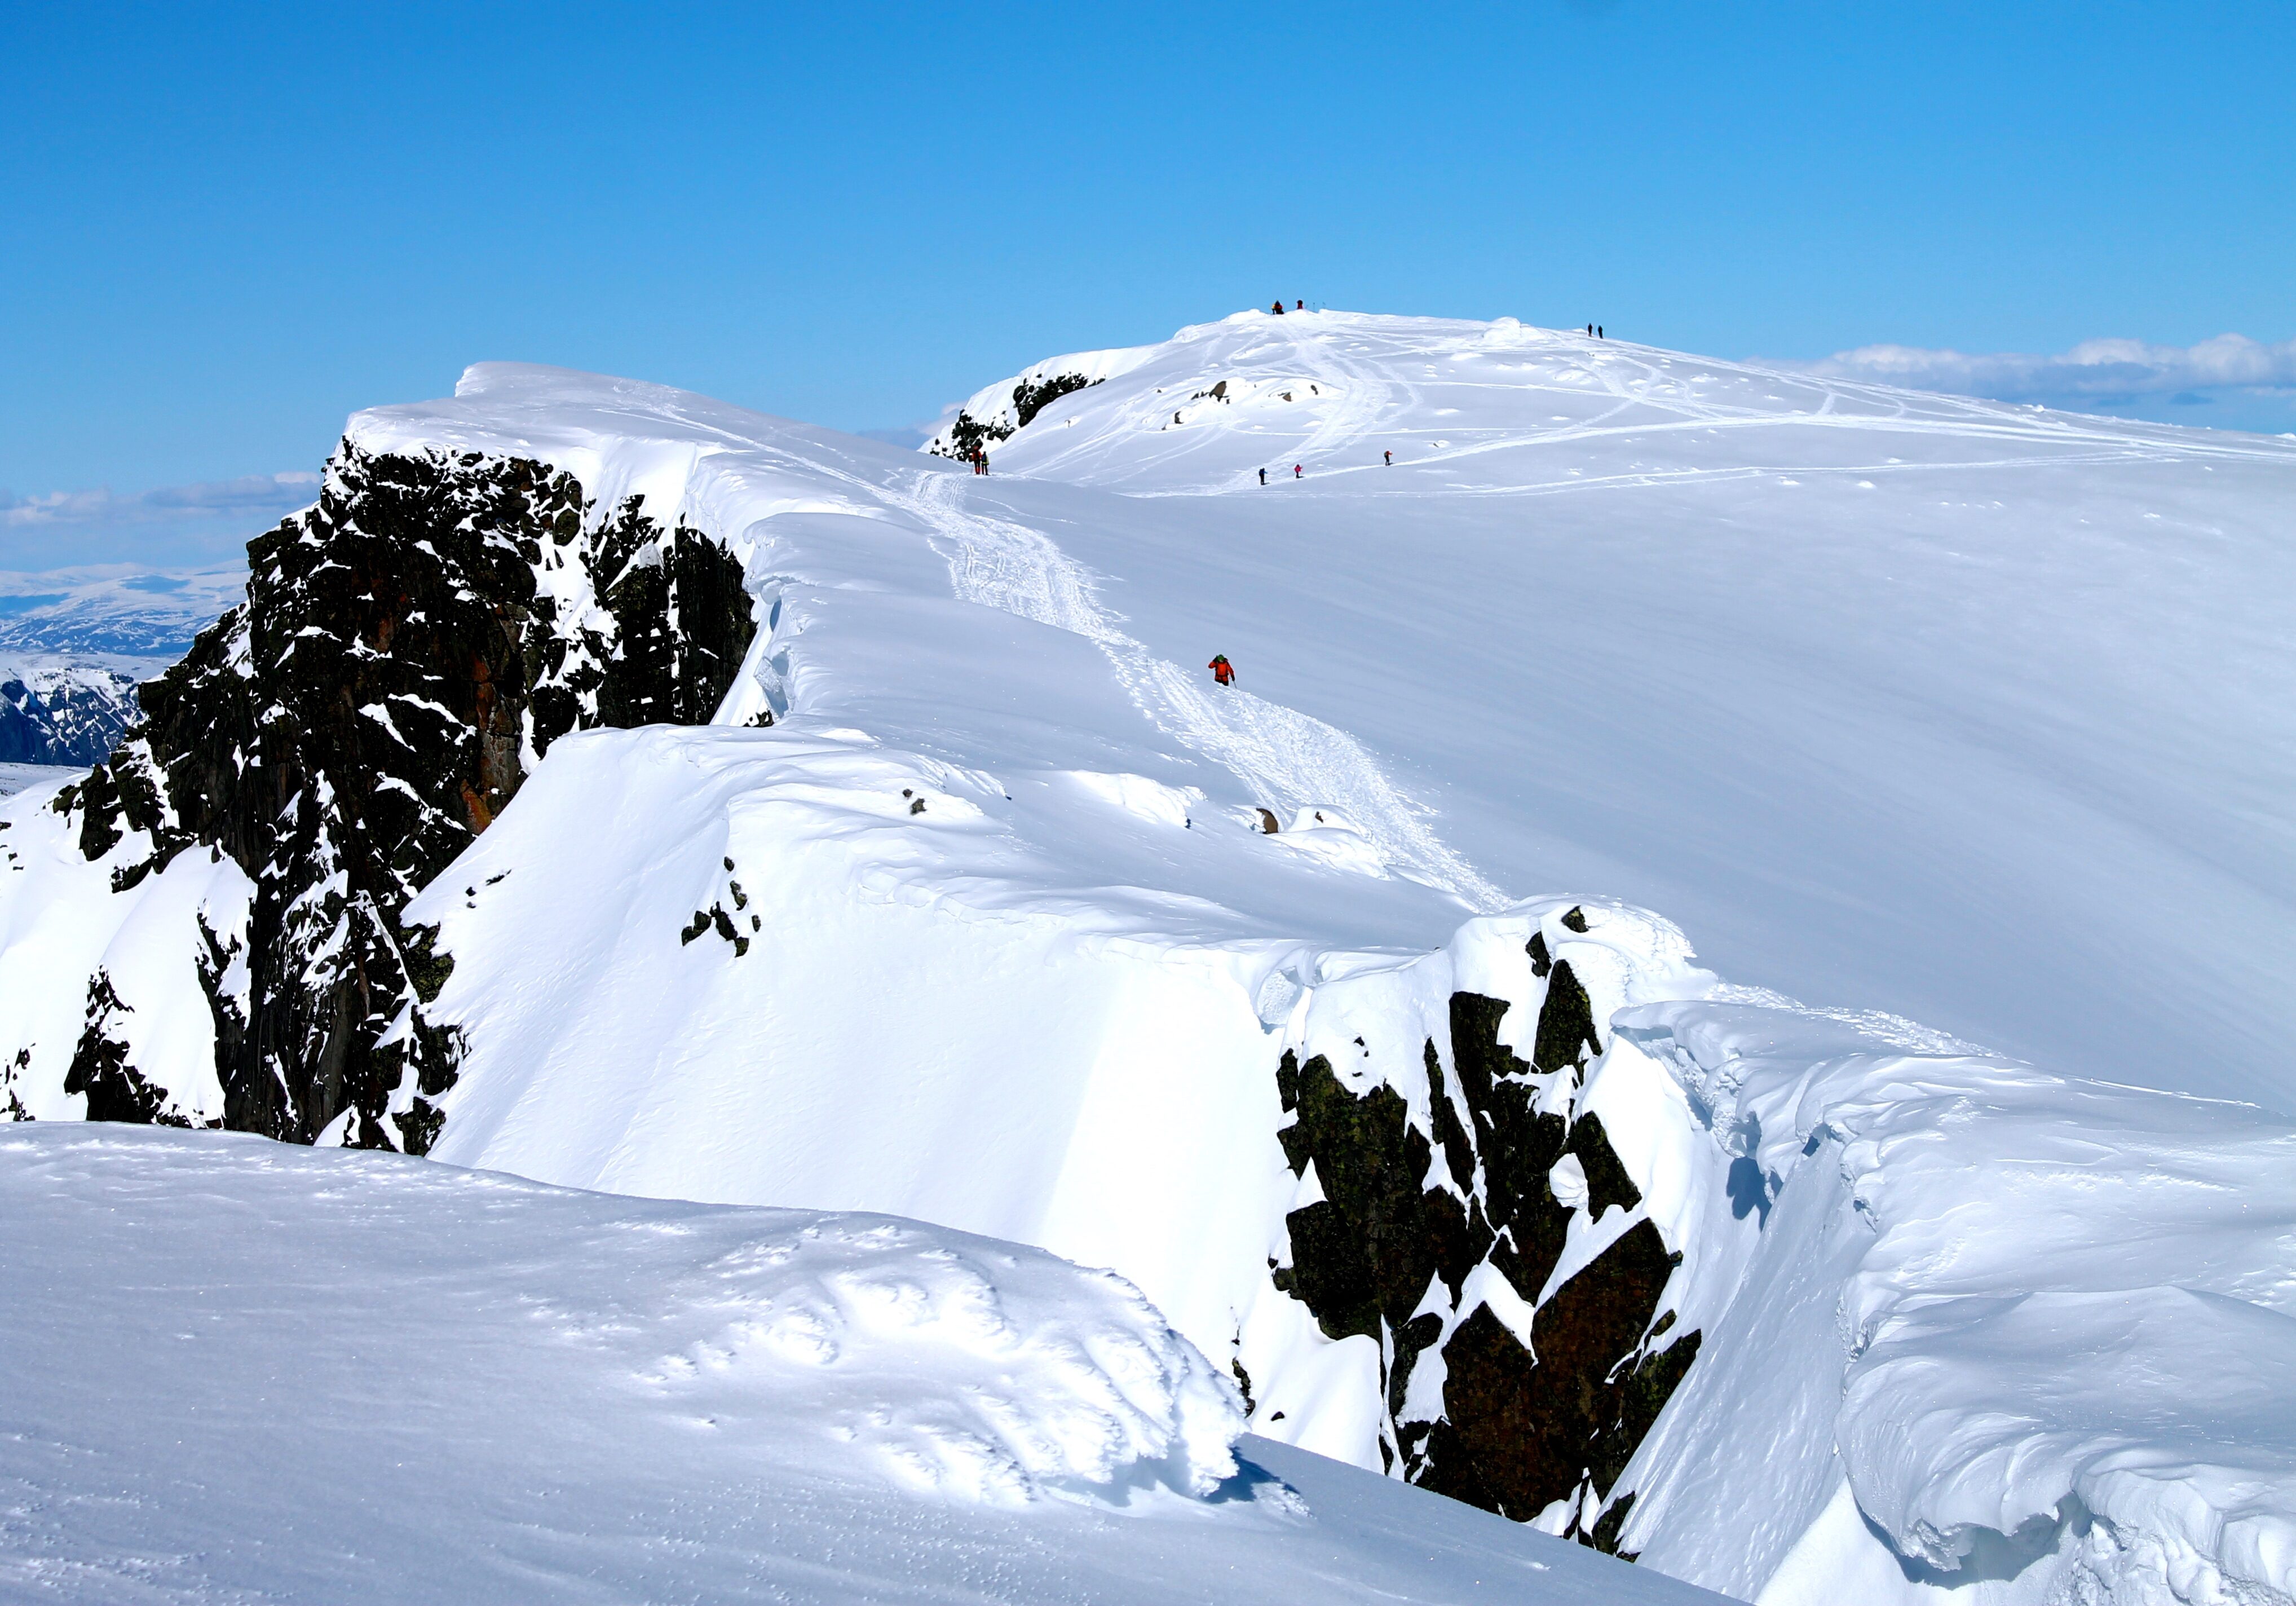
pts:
pixel 116 1090
pixel 968 435
pixel 1029 401
pixel 11 1103
pixel 1520 1433
pixel 1362 1256
pixel 1387 1251
pixel 1566 1022
pixel 347 731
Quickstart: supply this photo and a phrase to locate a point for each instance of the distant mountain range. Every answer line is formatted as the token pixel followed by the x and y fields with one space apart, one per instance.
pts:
pixel 64 710
pixel 75 643
pixel 113 611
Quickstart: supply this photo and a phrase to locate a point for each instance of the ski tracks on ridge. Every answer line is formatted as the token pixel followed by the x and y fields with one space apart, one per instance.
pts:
pixel 1289 760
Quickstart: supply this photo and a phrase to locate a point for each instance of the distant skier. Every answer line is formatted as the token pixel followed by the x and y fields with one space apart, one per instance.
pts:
pixel 1278 307
pixel 1590 331
pixel 1263 476
pixel 1299 307
pixel 1222 670
pixel 1297 472
pixel 1598 333
pixel 1390 458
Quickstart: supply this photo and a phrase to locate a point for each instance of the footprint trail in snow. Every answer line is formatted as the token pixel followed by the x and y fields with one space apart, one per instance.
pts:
pixel 1289 760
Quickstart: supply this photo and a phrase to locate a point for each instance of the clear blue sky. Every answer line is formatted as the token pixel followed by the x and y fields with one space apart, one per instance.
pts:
pixel 228 226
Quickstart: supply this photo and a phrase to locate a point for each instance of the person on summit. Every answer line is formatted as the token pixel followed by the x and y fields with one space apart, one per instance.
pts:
pixel 1299 307
pixel 1277 309
pixel 1222 670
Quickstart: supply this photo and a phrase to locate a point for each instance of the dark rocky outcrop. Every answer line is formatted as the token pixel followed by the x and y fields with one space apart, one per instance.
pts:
pixel 1031 399
pixel 101 1068
pixel 408 647
pixel 1388 1251
pixel 968 435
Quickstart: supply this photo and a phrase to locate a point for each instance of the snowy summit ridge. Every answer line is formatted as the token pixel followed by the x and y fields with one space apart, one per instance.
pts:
pixel 835 827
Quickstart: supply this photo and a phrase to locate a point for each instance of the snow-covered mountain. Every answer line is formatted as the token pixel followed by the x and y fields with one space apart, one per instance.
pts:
pixel 62 711
pixel 76 643
pixel 113 611
pixel 975 902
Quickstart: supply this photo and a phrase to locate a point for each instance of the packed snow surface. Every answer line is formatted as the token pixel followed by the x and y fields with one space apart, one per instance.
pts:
pixel 1923 709
pixel 238 1371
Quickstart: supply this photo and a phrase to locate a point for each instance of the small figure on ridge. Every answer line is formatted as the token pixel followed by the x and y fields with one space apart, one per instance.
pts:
pixel 1222 670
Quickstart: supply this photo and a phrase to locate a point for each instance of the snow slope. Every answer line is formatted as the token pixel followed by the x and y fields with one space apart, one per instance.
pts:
pixel 239 1371
pixel 1898 700
pixel 988 928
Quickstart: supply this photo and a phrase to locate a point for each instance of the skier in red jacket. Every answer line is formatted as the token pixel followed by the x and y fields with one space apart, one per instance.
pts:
pixel 1222 670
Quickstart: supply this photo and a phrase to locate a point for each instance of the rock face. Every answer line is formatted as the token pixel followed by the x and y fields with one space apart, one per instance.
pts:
pixel 408 650
pixel 967 434
pixel 1447 1265
pixel 63 712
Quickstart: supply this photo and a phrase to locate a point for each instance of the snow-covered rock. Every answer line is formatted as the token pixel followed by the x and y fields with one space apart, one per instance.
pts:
pixel 409 648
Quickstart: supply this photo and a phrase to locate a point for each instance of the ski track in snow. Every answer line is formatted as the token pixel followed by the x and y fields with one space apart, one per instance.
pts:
pixel 1290 759
pixel 1367 385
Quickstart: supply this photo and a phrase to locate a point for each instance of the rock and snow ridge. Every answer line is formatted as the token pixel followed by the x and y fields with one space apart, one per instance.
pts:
pixel 410 647
pixel 986 928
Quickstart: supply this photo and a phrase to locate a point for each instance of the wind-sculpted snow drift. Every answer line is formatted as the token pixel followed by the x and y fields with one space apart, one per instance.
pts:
pixel 400 1382
pixel 966 907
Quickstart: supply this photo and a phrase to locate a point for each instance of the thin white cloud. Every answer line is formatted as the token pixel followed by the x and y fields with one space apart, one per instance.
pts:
pixel 2102 371
pixel 266 494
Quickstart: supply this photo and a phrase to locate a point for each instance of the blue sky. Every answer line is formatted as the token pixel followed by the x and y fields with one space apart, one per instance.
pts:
pixel 229 226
